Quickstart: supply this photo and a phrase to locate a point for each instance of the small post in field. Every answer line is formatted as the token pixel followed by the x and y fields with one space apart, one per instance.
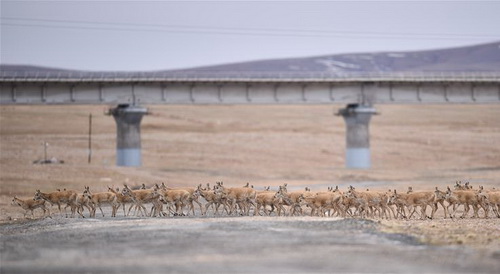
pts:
pixel 90 138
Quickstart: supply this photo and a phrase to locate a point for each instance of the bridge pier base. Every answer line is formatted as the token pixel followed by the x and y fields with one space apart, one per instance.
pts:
pixel 128 134
pixel 357 118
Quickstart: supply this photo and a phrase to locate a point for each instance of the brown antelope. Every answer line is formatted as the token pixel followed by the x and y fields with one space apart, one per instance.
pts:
pixel 263 199
pixel 400 206
pixel 414 199
pixel 383 198
pixel 280 199
pixel 193 197
pixel 30 205
pixel 211 198
pixel 140 197
pixel 373 200
pixel 83 201
pixel 320 202
pixel 359 202
pixel 323 201
pixel 297 199
pixel 296 204
pixel 490 199
pixel 440 198
pixel 177 197
pixel 390 204
pixel 97 199
pixel 242 197
pixel 400 202
pixel 65 197
pixel 122 199
pixel 266 189
pixel 157 200
pixel 466 198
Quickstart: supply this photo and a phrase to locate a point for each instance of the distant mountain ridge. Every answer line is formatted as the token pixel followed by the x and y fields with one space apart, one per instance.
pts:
pixel 478 58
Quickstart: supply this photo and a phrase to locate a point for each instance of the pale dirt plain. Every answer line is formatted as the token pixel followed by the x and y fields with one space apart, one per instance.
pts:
pixel 423 146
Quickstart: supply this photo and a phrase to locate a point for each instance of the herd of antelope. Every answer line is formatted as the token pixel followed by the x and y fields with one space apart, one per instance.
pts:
pixel 222 200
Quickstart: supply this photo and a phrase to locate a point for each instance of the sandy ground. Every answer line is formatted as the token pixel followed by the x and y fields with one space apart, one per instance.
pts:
pixel 420 145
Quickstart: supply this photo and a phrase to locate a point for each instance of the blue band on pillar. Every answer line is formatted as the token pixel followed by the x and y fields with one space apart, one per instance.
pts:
pixel 358 158
pixel 128 157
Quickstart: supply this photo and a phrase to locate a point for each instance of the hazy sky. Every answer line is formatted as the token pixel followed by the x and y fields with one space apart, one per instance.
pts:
pixel 154 35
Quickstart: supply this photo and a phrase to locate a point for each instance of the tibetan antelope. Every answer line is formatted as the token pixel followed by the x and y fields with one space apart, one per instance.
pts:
pixel 30 205
pixel 65 197
pixel 98 199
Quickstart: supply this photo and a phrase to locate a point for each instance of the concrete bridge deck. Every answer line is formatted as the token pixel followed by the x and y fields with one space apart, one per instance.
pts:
pixel 66 87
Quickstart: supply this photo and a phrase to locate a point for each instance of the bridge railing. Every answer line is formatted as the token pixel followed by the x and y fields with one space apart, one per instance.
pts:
pixel 250 76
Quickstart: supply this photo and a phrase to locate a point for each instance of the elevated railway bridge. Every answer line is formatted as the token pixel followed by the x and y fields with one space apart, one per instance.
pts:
pixel 129 92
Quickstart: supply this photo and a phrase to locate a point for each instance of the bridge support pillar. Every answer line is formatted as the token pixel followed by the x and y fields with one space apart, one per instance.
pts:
pixel 128 134
pixel 357 118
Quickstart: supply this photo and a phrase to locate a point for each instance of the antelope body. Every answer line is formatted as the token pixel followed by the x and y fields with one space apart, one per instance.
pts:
pixel 65 197
pixel 29 205
pixel 98 199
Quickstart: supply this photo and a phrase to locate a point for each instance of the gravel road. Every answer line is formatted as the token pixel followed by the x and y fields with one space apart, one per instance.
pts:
pixel 225 245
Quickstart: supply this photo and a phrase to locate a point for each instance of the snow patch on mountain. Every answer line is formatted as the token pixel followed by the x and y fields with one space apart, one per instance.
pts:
pixel 337 66
pixel 396 55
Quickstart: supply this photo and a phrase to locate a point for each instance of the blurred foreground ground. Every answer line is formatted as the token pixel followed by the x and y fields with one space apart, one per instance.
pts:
pixel 227 245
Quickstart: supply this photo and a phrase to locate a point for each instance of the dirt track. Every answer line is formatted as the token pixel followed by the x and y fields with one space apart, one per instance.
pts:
pixel 422 146
pixel 226 245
